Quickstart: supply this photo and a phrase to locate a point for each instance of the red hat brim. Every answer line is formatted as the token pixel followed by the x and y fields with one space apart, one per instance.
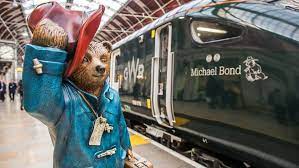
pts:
pixel 70 20
pixel 86 35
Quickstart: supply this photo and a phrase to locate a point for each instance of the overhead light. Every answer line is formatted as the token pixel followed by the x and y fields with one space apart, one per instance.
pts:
pixel 19 69
pixel 24 34
pixel 206 29
pixel 15 4
pixel 28 11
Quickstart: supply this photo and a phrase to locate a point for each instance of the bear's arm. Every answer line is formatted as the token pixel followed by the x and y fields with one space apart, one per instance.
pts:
pixel 43 95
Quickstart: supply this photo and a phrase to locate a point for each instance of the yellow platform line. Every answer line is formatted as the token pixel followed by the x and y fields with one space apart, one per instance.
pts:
pixel 138 140
pixel 181 121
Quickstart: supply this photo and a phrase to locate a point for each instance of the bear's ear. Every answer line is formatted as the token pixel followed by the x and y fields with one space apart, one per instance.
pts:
pixel 107 45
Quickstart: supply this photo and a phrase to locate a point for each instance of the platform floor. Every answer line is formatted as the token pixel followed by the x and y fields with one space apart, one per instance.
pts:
pixel 159 155
pixel 25 142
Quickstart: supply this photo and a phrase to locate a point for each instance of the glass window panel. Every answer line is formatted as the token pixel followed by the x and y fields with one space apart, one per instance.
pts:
pixel 206 32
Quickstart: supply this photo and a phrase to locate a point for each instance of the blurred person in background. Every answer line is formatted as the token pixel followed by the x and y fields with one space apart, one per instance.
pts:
pixel 20 91
pixel 12 87
pixel 2 90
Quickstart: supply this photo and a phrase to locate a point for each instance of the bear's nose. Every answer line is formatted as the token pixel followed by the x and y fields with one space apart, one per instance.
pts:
pixel 100 69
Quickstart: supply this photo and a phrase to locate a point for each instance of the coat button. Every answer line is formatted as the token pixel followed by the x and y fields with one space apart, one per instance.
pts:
pixel 109 152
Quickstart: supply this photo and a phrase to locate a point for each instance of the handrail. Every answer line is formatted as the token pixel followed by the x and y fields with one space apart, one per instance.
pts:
pixel 169 80
pixel 154 59
pixel 113 83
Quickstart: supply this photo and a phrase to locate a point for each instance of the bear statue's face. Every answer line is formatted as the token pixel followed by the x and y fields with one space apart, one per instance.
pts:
pixel 94 69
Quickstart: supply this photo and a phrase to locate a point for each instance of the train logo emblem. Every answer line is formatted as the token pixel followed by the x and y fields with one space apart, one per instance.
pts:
pixel 133 71
pixel 253 70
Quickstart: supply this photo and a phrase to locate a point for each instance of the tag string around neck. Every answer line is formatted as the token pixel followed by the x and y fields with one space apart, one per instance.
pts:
pixel 89 105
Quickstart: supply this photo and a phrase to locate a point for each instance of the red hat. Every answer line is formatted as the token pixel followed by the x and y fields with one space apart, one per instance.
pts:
pixel 79 27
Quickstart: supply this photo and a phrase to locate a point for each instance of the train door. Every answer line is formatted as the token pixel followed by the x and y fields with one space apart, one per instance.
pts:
pixel 162 77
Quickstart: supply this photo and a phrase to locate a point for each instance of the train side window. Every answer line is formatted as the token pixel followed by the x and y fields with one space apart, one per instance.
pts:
pixel 208 32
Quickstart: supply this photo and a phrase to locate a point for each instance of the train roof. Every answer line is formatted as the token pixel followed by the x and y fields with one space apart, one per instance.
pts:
pixel 283 21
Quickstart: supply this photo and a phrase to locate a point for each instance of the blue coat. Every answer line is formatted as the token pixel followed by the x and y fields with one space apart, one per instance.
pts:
pixel 56 102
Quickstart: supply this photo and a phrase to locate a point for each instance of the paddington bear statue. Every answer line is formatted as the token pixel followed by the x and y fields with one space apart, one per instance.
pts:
pixel 66 88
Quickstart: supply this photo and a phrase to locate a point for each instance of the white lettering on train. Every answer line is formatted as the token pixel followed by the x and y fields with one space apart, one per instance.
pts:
pixel 133 71
pixel 230 71
pixel 221 70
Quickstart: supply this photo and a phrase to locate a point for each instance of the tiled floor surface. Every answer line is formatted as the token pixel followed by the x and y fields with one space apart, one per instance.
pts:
pixel 24 141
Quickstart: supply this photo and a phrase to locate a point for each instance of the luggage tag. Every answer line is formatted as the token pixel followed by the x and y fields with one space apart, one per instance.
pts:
pixel 98 130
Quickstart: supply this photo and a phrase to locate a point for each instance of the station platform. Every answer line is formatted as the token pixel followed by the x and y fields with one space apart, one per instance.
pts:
pixel 159 155
pixel 25 142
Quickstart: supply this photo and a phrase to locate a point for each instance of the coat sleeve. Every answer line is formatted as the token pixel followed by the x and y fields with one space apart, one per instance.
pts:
pixel 124 133
pixel 43 96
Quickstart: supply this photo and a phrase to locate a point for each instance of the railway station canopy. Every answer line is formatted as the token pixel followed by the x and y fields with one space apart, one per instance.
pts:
pixel 121 18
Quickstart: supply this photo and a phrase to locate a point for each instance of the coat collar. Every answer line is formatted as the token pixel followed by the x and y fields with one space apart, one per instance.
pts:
pixel 99 102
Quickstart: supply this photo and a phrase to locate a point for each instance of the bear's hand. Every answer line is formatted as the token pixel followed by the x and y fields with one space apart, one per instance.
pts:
pixel 49 34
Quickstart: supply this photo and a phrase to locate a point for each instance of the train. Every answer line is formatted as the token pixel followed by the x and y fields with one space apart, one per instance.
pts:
pixel 219 79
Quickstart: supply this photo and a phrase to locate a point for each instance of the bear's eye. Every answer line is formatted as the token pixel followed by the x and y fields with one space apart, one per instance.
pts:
pixel 85 60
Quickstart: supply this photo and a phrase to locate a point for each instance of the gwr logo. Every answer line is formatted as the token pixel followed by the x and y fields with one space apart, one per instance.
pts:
pixel 133 69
